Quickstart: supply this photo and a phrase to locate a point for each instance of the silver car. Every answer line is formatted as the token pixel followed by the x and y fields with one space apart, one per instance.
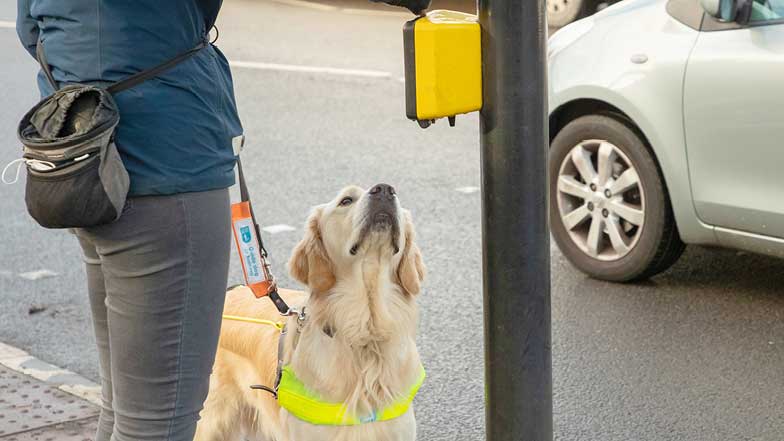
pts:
pixel 666 129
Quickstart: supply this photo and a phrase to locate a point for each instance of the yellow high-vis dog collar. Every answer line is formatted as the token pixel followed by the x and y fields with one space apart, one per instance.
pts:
pixel 309 407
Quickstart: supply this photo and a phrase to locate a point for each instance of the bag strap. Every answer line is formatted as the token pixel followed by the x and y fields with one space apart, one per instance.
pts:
pixel 133 80
pixel 41 57
pixel 140 77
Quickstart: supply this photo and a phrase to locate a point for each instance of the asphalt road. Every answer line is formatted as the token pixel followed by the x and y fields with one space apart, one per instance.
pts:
pixel 696 354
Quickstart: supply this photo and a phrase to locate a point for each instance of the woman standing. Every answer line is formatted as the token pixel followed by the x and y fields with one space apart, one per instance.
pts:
pixel 157 276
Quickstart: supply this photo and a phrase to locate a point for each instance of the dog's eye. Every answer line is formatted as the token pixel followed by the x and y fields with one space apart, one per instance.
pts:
pixel 346 201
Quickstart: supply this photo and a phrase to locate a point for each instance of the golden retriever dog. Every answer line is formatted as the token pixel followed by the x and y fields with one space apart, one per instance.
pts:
pixel 357 343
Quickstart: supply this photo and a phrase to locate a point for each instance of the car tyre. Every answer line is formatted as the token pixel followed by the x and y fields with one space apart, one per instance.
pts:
pixel 647 249
pixel 562 12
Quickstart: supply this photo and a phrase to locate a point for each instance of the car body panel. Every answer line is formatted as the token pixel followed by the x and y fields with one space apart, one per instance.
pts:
pixel 756 243
pixel 733 102
pixel 648 92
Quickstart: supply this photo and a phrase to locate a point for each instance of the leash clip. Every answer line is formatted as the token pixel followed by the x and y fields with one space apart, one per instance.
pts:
pixel 301 317
pixel 272 293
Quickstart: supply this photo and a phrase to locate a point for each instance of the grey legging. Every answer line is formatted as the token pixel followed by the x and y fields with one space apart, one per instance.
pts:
pixel 157 279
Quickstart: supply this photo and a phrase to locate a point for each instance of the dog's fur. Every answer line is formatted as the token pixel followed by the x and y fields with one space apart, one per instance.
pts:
pixel 363 271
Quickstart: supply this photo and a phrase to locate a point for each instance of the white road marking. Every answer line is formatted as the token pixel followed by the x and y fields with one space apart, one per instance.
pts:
pixel 38 274
pixel 307 4
pixel 353 11
pixel 288 67
pixel 374 13
pixel 17 360
pixel 366 73
pixel 310 69
pixel 279 228
pixel 467 190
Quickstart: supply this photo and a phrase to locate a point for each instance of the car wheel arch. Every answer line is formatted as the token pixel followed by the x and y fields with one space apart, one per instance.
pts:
pixel 568 112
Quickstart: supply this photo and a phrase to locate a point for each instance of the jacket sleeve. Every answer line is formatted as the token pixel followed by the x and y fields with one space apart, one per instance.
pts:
pixel 26 26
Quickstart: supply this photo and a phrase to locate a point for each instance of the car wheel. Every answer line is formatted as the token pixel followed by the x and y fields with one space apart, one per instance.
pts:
pixel 562 12
pixel 609 210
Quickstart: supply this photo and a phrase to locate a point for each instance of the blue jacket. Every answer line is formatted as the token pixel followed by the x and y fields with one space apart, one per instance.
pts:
pixel 176 130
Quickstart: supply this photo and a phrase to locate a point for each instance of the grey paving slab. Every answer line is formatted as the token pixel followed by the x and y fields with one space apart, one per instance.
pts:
pixel 27 404
pixel 81 430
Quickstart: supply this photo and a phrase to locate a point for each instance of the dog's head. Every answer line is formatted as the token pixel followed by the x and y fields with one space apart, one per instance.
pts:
pixel 358 227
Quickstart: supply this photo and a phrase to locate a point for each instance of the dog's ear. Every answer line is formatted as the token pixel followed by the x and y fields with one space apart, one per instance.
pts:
pixel 411 270
pixel 309 263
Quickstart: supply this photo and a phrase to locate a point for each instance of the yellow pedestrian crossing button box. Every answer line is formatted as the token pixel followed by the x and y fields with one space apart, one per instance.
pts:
pixel 443 66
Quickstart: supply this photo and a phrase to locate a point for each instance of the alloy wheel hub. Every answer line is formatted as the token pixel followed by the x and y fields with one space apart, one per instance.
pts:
pixel 601 200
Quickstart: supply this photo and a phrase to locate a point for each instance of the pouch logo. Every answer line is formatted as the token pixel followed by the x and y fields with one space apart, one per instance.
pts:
pixel 245 232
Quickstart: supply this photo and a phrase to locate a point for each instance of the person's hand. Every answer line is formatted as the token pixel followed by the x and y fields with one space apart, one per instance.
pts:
pixel 415 6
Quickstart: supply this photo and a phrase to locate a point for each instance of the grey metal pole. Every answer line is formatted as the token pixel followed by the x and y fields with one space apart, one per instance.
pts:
pixel 516 259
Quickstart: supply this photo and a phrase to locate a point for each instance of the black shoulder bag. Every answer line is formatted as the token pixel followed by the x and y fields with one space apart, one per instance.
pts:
pixel 75 177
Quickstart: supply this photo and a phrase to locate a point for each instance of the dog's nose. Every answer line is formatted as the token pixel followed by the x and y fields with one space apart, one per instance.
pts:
pixel 382 190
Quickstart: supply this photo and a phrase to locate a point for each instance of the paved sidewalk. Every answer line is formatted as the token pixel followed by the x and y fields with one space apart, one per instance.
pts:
pixel 41 402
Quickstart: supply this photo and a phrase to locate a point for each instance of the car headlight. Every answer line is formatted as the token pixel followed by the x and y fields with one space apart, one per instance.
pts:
pixel 567 35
